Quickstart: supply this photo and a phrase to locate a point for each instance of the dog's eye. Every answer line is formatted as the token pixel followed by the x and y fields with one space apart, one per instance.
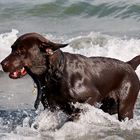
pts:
pixel 18 52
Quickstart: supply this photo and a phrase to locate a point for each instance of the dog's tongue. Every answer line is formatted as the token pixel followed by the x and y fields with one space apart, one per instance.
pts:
pixel 18 74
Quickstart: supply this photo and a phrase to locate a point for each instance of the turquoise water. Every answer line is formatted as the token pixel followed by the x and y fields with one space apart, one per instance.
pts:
pixel 71 17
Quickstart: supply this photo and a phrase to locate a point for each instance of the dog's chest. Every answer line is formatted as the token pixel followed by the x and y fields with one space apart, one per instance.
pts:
pixel 55 94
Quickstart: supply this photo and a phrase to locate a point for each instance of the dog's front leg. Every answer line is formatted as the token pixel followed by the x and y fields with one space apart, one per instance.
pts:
pixel 38 99
pixel 40 91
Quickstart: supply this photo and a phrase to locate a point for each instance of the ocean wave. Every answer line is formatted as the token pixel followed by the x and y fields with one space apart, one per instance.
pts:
pixel 107 16
pixel 92 44
pixel 59 8
pixel 119 9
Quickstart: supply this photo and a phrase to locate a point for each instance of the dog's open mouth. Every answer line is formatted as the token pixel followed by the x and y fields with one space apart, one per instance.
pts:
pixel 18 73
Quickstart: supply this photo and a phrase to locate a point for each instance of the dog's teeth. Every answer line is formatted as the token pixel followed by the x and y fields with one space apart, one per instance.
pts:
pixel 15 74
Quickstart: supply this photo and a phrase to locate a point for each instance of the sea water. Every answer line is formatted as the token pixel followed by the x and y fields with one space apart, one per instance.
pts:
pixel 92 28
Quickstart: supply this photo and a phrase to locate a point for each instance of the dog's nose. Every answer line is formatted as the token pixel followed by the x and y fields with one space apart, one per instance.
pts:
pixel 4 65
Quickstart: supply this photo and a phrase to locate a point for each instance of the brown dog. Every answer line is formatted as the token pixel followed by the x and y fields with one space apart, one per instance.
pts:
pixel 63 78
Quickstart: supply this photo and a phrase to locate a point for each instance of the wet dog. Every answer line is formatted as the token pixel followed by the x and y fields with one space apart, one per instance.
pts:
pixel 63 78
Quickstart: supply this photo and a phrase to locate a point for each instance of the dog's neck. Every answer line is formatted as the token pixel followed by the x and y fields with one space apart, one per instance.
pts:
pixel 56 59
pixel 55 65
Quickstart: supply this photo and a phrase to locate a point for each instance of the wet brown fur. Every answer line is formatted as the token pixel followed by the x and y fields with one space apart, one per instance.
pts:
pixel 69 78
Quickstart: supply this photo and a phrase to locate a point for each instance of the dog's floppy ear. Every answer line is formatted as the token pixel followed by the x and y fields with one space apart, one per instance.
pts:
pixel 53 46
pixel 50 47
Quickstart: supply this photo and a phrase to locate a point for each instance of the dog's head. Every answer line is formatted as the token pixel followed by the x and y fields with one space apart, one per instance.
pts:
pixel 29 50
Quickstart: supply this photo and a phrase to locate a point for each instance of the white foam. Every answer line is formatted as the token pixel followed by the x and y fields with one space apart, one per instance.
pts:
pixel 6 40
pixel 96 44
pixel 92 121
pixel 17 137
